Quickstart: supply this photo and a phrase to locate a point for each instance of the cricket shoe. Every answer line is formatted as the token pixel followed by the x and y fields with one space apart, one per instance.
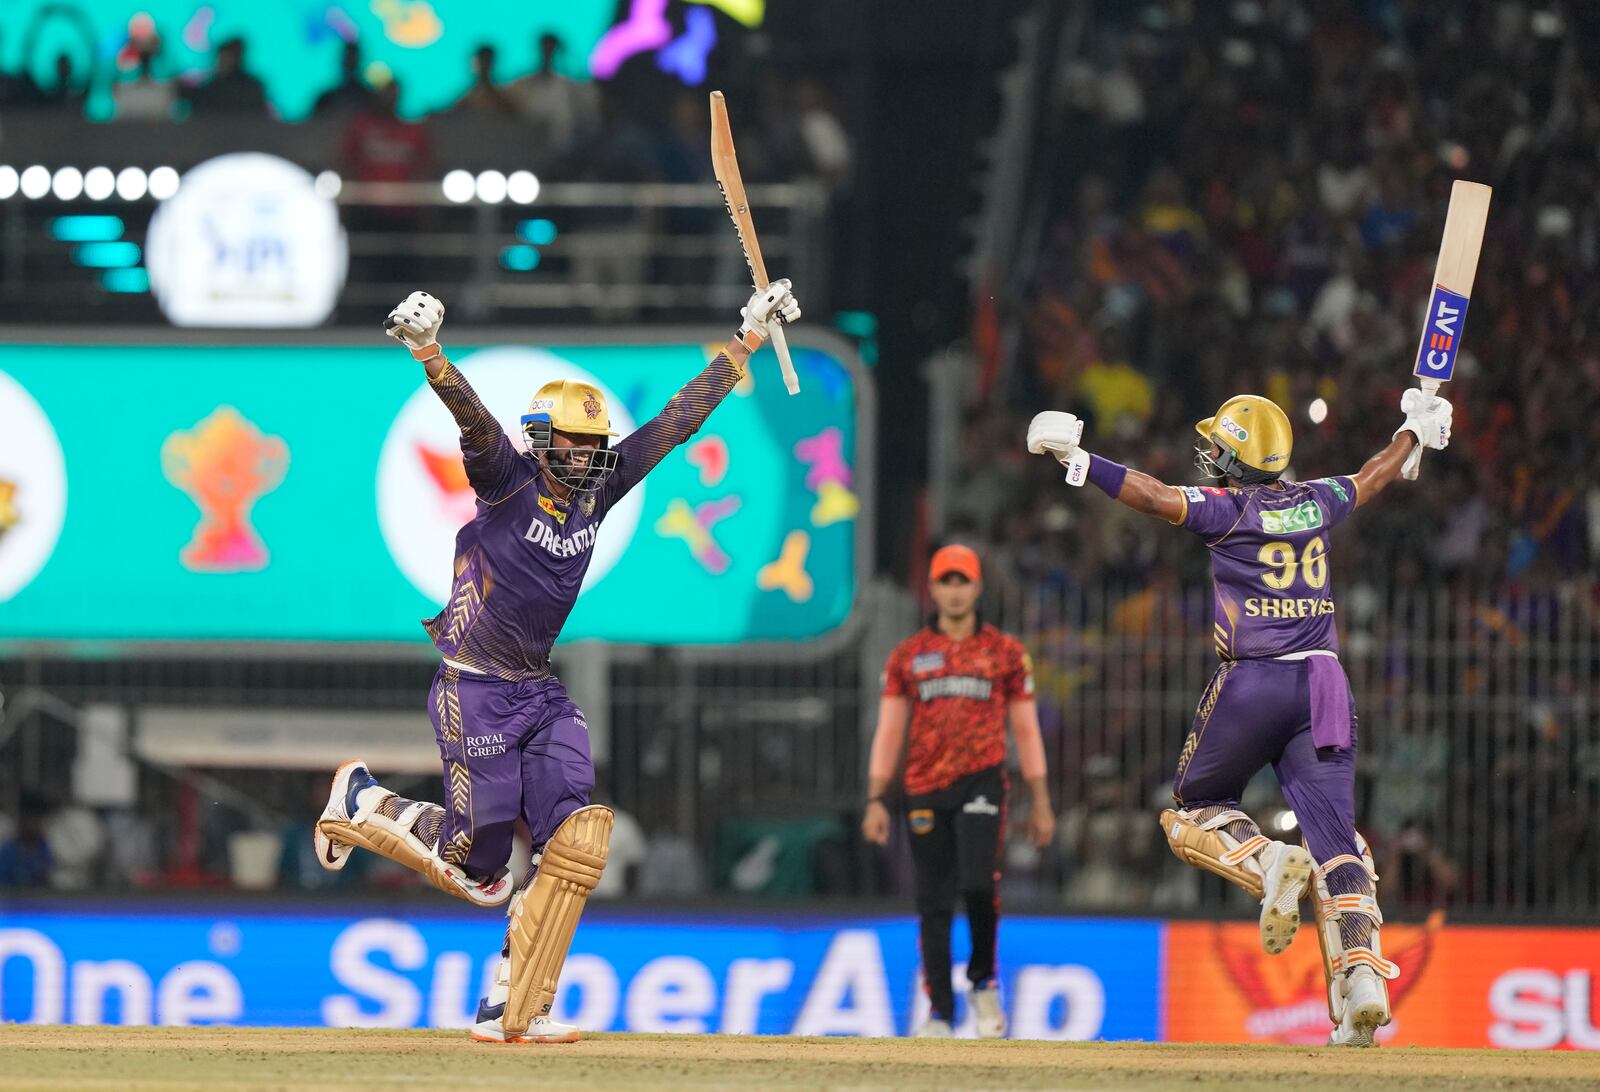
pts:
pixel 1366 1009
pixel 1286 872
pixel 348 781
pixel 987 1014
pixel 541 1029
pixel 935 1029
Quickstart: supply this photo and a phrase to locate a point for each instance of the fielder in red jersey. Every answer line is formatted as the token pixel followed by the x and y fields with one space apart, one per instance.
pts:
pixel 958 683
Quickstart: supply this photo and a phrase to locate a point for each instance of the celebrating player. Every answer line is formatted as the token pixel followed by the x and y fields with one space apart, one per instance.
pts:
pixel 958 682
pixel 1280 694
pixel 513 743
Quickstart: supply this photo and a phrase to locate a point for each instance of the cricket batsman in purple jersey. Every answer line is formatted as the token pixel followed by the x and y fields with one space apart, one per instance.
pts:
pixel 513 744
pixel 1280 695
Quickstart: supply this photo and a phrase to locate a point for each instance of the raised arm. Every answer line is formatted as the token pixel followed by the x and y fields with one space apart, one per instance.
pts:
pixel 643 449
pixel 1428 422
pixel 1384 467
pixel 493 466
pixel 1058 433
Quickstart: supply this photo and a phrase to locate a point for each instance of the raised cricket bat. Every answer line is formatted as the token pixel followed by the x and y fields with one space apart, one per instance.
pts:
pixel 1452 289
pixel 725 164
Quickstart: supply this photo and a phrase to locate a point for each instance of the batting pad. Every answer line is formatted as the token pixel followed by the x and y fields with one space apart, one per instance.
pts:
pixel 394 839
pixel 545 915
pixel 1201 848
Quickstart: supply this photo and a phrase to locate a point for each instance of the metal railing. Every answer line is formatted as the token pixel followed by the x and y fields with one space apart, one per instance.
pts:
pixel 1478 782
pixel 1479 774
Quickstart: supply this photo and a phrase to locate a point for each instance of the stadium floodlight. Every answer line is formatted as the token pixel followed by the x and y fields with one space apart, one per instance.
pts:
pixel 67 184
pixel 99 183
pixel 131 183
pixel 328 184
pixel 458 186
pixel 491 187
pixel 8 181
pixel 163 183
pixel 35 182
pixel 523 187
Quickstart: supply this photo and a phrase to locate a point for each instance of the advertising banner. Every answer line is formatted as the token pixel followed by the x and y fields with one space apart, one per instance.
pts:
pixel 813 975
pixel 313 493
pixel 1459 986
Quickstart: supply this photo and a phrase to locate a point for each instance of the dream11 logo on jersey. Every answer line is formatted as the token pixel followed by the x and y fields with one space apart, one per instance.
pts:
pixel 248 240
pixel 424 496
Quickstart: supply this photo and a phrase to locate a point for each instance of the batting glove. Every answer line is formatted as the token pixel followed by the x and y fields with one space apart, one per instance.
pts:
pixel 1055 432
pixel 1427 418
pixel 775 302
pixel 416 323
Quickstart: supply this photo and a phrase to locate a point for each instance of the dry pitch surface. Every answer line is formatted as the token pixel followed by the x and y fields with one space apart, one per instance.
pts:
pixel 262 1058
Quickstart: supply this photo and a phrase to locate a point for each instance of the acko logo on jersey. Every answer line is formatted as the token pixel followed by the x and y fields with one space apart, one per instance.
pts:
pixel 1302 517
pixel 1231 427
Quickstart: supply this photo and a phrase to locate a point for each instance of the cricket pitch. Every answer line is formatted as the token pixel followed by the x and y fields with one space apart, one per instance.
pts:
pixel 290 1058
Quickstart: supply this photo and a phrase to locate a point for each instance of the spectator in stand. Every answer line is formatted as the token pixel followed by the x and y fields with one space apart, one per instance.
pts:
pixel 231 90
pixel 68 92
pixel 351 95
pixel 559 108
pixel 485 96
pixel 25 861
pixel 380 146
pixel 145 98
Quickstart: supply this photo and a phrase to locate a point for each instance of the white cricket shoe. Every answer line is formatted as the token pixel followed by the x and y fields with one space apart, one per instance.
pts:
pixel 348 780
pixel 935 1029
pixel 989 1017
pixel 1286 873
pixel 1366 1009
pixel 541 1029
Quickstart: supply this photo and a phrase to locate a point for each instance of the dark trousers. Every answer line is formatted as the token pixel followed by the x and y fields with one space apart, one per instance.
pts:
pixel 956 838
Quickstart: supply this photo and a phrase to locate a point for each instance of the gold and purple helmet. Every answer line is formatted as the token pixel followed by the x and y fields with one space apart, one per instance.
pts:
pixel 575 409
pixel 1252 437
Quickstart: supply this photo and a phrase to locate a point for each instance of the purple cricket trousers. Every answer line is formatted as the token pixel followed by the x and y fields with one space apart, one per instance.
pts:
pixel 510 750
pixel 1256 712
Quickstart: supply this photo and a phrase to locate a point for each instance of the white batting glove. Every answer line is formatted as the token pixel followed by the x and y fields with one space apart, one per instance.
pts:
pixel 1429 420
pixel 774 303
pixel 416 322
pixel 1056 433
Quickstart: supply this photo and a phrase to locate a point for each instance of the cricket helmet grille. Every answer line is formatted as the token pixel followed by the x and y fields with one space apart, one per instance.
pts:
pixel 577 409
pixel 1254 438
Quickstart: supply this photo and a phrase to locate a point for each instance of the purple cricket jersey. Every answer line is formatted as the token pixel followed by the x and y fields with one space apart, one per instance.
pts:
pixel 521 560
pixel 1270 563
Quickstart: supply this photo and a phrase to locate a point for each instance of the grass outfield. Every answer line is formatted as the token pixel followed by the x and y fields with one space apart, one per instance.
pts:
pixel 278 1058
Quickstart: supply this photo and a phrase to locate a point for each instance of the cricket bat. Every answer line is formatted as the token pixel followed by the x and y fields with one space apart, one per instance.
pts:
pixel 1452 289
pixel 725 164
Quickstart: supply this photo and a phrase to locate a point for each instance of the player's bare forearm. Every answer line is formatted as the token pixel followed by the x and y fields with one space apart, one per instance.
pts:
pixel 1024 720
pixel 884 758
pixel 1145 494
pixel 1382 468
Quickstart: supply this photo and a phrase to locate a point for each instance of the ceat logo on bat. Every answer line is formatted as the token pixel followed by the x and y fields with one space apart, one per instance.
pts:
pixel 1441 335
pixel 424 495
